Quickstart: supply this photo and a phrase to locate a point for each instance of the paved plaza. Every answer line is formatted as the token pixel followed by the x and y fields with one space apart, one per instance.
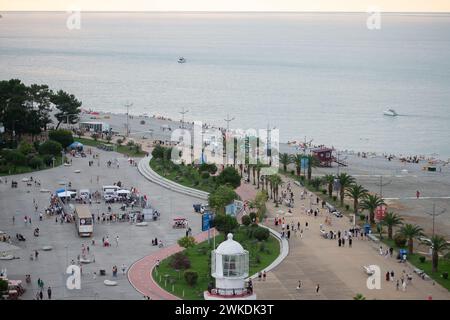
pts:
pixel 338 270
pixel 134 242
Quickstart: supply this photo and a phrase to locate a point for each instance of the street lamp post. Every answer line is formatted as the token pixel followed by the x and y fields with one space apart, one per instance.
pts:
pixel 435 214
pixel 183 112
pixel 381 185
pixel 128 106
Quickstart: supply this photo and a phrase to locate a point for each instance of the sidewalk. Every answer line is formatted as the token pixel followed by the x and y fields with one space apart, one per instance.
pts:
pixel 338 270
pixel 140 273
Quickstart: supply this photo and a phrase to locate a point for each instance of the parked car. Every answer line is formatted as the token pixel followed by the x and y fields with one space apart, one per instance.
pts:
pixel 337 214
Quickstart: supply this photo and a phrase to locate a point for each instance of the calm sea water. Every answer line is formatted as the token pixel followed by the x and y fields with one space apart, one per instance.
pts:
pixel 323 76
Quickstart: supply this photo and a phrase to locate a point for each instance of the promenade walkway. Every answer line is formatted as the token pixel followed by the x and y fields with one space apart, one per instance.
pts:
pixel 140 273
pixel 338 270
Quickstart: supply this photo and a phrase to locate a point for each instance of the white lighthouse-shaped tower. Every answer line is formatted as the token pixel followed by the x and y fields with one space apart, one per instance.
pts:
pixel 229 266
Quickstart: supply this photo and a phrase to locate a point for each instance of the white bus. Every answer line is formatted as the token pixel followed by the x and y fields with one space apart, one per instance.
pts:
pixel 83 221
pixel 110 192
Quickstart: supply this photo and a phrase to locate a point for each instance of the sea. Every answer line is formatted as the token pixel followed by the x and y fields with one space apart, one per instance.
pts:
pixel 320 77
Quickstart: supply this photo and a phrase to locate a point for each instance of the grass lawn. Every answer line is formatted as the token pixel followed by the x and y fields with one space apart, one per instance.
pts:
pixel 124 149
pixel 443 265
pixel 184 175
pixel 200 257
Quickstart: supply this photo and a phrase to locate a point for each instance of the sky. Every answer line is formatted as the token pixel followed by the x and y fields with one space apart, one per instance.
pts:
pixel 227 5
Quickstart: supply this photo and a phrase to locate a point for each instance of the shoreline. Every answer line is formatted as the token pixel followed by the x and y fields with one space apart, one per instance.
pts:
pixel 290 146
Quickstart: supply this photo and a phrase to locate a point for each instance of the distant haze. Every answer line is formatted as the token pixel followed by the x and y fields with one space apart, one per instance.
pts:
pixel 227 5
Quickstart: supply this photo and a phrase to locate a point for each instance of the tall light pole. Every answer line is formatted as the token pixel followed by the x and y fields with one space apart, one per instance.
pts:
pixel 183 112
pixel 381 185
pixel 228 120
pixel 435 214
pixel 128 106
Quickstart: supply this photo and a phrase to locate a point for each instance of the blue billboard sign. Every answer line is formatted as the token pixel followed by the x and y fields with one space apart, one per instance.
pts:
pixel 206 221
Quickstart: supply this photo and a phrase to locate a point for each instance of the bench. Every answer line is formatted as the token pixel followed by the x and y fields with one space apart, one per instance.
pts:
pixel 372 237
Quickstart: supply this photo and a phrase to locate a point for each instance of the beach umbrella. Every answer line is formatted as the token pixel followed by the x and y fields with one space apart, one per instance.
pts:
pixel 76 145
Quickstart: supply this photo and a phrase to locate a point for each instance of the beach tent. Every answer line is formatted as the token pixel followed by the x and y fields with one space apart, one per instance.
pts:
pixel 76 145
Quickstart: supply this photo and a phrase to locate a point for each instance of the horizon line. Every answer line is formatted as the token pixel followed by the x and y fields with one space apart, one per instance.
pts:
pixel 218 11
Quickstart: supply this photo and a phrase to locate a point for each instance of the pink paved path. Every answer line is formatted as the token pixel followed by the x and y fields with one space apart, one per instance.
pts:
pixel 247 191
pixel 140 273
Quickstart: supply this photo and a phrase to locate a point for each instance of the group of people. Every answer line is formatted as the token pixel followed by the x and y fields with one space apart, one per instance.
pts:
pixel 402 283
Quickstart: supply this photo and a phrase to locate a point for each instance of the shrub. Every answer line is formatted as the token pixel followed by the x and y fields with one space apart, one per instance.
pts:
pixel 191 277
pixel 347 207
pixel 422 259
pixel 445 275
pixel 158 152
pixel 229 176
pixel 64 137
pixel 334 198
pixel 186 242
pixel 362 217
pixel 50 147
pixel 292 172
pixel 14 157
pixel 35 163
pixel 119 141
pixel 400 240
pixel 3 285
pixel 262 247
pixel 253 216
pixel 261 234
pixel 130 143
pixel 25 148
pixel 180 261
pixel 324 191
pixel 47 159
pixel 246 220
pixel 258 259
pixel 225 223
pixel 205 175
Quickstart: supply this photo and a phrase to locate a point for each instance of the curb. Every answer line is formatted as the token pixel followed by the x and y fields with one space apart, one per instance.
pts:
pixel 145 170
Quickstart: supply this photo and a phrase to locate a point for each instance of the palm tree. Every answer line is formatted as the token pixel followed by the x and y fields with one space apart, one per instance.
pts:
pixel 329 180
pixel 438 245
pixel 345 181
pixel 370 203
pixel 356 192
pixel 316 183
pixel 359 296
pixel 276 181
pixel 297 160
pixel 312 163
pixel 391 220
pixel 285 159
pixel 410 232
pixel 254 173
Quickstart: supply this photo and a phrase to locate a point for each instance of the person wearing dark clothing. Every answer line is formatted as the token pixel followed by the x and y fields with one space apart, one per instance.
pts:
pixel 49 293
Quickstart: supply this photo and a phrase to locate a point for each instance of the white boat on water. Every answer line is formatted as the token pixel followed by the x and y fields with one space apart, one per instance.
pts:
pixel 390 112
pixel 181 60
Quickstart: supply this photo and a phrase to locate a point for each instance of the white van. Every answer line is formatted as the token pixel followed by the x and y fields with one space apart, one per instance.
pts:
pixel 84 194
pixel 110 192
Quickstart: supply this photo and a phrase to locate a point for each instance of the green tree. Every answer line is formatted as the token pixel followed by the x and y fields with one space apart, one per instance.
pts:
pixel 356 192
pixel 316 183
pixel 225 223
pixel 275 182
pixel 329 180
pixel 297 160
pixel 191 277
pixel 370 203
pixel 285 160
pixel 438 245
pixel 186 242
pixel 312 163
pixel 345 181
pixel 221 197
pixel 411 232
pixel 359 296
pixel 158 152
pixel 39 97
pixel 64 137
pixel 50 147
pixel 391 220
pixel 229 176
pixel 68 106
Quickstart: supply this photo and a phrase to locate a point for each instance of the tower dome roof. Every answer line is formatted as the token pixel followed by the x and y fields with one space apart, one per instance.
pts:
pixel 230 247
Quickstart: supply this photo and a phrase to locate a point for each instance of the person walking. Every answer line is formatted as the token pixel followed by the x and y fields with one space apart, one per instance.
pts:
pixel 417 194
pixel 124 267
pixel 299 286
pixel 398 285
pixel 317 289
pixel 41 295
pixel 350 242
pixel 264 275
pixel 117 241
pixel 49 293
